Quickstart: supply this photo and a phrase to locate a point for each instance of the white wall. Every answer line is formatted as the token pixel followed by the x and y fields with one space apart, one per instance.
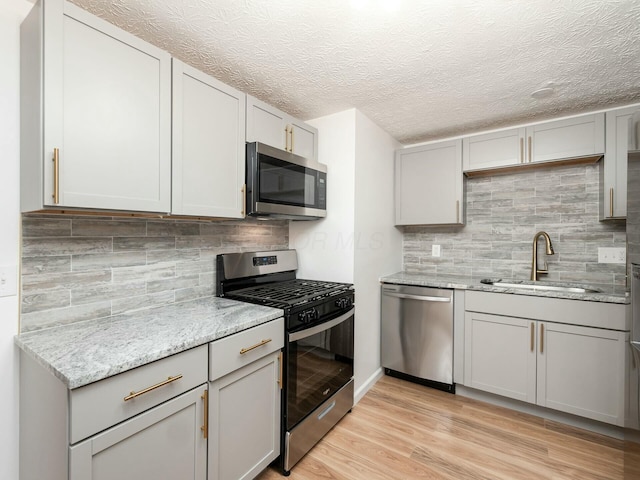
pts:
pixel 11 14
pixel 378 250
pixel 325 247
pixel 357 242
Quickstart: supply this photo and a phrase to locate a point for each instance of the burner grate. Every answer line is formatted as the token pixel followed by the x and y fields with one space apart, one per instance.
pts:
pixel 290 292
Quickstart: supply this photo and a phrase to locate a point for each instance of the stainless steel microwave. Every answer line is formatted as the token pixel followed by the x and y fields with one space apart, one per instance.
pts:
pixel 283 185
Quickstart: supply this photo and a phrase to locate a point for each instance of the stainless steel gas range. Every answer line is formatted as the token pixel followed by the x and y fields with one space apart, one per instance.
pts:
pixel 318 351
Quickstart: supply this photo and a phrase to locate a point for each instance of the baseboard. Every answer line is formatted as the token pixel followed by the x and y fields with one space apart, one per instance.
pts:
pixel 561 417
pixel 366 386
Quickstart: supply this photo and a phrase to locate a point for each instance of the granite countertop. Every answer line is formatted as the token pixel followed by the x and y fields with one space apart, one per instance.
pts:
pixel 85 352
pixel 606 293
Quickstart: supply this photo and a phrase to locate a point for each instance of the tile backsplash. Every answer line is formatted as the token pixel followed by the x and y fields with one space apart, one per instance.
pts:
pixel 78 268
pixel 503 214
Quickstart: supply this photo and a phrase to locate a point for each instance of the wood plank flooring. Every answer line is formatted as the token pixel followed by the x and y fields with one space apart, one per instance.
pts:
pixel 400 430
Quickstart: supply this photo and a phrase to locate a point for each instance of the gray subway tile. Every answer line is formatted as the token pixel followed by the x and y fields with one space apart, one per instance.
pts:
pixel 122 244
pixel 46 264
pixel 144 272
pixel 89 227
pixel 130 304
pixel 107 260
pixel 50 281
pixel 45 227
pixel 172 229
pixel 47 300
pixel 65 245
pixel 64 316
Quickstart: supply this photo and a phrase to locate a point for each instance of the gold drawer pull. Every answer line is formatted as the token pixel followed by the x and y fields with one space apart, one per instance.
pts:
pixel 56 176
pixel 152 387
pixel 205 427
pixel 261 343
pixel 611 202
pixel 532 336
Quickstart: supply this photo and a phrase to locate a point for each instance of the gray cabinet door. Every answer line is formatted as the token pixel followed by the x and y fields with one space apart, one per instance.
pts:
pixel 267 124
pixel 573 137
pixel 429 184
pixel 613 170
pixel 208 145
pixel 491 150
pixel 581 371
pixel 164 443
pixel 500 355
pixel 244 429
pixel 107 107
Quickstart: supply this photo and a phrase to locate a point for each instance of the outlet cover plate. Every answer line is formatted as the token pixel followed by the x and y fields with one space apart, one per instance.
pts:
pixel 435 250
pixel 612 255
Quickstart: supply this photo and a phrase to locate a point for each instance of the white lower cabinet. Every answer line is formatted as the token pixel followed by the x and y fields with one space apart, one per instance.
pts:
pixel 499 356
pixel 244 413
pixel 164 443
pixel 245 370
pixel 573 369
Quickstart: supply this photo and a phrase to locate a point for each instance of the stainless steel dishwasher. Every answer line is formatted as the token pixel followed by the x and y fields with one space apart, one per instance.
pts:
pixel 416 338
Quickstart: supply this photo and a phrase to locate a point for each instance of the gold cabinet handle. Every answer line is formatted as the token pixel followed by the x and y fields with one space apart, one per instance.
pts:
pixel 253 347
pixel 205 427
pixel 280 375
pixel 521 150
pixel 530 150
pixel 244 200
pixel 293 136
pixel 56 176
pixel 533 334
pixel 286 138
pixel 152 387
pixel 457 211
pixel 542 338
pixel 611 202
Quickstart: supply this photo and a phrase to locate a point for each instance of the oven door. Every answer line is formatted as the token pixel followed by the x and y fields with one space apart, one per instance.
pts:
pixel 319 363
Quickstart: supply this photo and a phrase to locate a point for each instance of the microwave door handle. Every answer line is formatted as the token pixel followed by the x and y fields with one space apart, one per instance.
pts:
pixel 294 337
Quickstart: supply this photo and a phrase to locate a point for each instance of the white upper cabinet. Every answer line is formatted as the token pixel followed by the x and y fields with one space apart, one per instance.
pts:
pixel 613 170
pixel 208 145
pixel 96 106
pixel 429 184
pixel 581 136
pixel 267 124
pixel 492 150
pixel 573 137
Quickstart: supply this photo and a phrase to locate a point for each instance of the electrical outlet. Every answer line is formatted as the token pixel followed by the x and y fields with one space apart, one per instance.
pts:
pixel 435 250
pixel 612 255
pixel 8 280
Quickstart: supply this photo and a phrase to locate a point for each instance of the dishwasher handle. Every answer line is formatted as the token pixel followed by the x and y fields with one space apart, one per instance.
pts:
pixel 422 298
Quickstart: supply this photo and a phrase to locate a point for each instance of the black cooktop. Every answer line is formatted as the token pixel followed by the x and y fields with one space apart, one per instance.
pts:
pixel 289 293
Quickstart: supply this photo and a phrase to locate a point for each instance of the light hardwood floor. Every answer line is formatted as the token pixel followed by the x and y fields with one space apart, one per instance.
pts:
pixel 400 430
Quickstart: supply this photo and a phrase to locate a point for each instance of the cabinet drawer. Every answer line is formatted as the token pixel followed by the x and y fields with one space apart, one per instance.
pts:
pixel 235 351
pixel 100 405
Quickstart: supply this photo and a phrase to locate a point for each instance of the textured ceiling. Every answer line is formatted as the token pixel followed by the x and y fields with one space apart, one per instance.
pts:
pixel 419 69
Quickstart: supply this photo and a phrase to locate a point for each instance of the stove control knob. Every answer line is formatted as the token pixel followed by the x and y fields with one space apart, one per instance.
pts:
pixel 343 302
pixel 308 315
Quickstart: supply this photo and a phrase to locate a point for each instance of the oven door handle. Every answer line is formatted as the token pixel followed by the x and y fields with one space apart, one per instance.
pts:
pixel 294 337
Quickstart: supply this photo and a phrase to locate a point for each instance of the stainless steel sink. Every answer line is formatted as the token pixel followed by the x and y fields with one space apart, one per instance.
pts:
pixel 544 286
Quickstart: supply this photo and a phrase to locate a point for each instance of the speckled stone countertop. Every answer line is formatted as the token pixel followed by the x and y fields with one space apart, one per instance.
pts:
pixel 606 293
pixel 85 352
